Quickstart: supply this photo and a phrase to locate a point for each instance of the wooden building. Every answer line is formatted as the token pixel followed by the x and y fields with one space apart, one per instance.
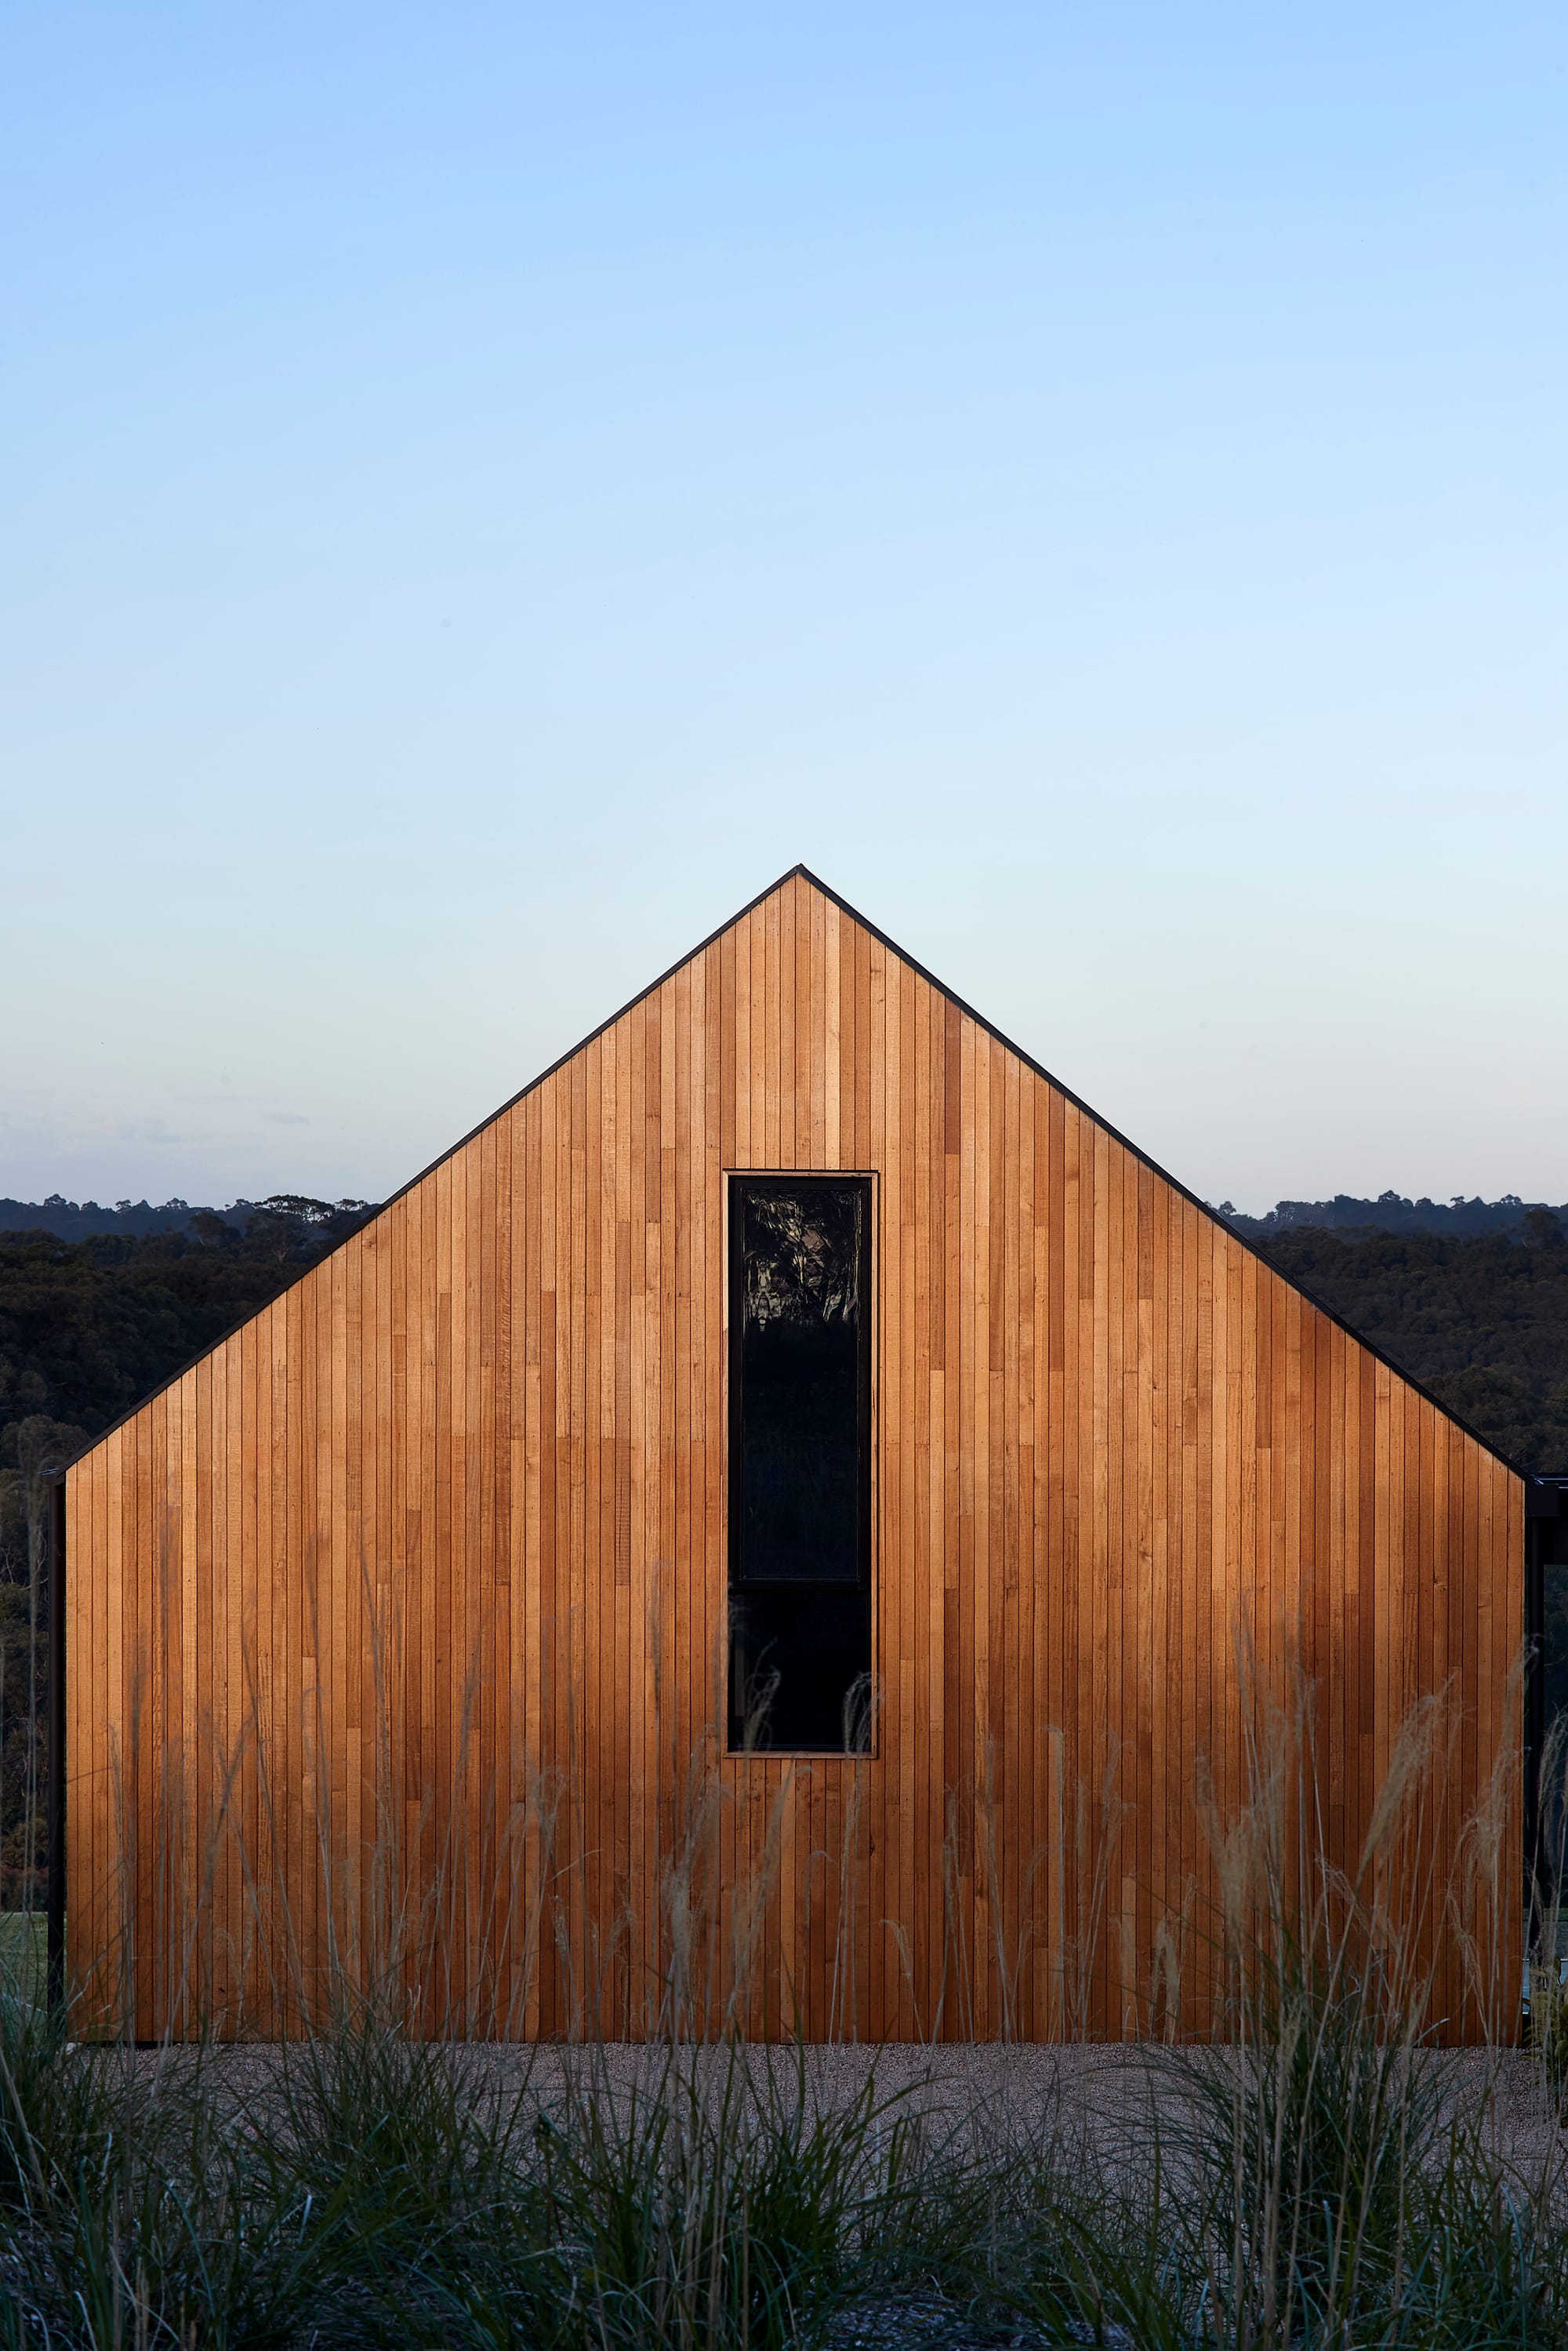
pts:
pixel 783 1521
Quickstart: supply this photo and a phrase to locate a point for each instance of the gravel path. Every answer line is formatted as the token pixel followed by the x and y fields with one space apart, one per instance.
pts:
pixel 1093 2101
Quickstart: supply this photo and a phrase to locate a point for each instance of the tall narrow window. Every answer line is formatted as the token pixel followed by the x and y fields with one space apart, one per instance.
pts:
pixel 799 1462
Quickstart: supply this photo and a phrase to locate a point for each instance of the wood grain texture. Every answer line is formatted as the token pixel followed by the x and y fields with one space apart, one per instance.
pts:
pixel 396 1623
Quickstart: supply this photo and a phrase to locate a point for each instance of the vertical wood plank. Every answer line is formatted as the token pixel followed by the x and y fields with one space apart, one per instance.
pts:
pixel 450 1515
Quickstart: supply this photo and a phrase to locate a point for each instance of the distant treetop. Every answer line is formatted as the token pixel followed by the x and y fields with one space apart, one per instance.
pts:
pixel 72 1221
pixel 1391 1212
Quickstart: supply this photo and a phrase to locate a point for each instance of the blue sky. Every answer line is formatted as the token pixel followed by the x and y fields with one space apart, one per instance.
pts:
pixel 489 487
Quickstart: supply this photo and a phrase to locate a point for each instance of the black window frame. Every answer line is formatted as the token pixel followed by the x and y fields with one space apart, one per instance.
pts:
pixel 738 1182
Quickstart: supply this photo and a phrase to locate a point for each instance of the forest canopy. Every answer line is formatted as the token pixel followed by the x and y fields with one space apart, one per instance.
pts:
pixel 1482 1322
pixel 90 1325
pixel 87 1329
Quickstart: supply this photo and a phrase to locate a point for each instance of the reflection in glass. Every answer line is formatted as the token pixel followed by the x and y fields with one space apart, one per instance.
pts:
pixel 800 1371
pixel 799 1467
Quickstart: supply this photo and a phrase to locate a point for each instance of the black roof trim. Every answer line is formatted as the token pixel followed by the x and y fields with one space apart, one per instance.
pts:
pixel 461 1144
pixel 1152 1166
pixel 803 873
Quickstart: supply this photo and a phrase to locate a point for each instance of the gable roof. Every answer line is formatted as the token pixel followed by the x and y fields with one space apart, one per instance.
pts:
pixel 803 873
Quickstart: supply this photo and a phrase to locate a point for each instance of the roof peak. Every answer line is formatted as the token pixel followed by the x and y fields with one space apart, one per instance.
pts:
pixel 803 873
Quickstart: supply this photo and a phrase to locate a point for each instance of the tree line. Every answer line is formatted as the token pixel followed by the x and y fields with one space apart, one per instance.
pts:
pixel 87 1329
pixel 1482 1321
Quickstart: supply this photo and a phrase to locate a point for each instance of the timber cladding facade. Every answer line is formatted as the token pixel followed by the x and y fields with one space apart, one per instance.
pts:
pixel 422 1631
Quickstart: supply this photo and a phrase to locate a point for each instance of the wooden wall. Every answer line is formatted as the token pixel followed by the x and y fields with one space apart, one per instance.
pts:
pixel 394 1621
